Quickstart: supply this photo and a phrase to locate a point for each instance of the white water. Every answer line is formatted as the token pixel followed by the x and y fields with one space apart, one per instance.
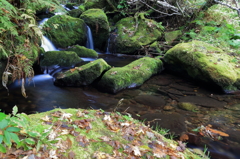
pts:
pixel 90 44
pixel 46 43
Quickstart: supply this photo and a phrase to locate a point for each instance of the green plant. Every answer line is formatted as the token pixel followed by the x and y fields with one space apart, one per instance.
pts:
pixel 20 37
pixel 8 132
pixel 161 131
pixel 206 152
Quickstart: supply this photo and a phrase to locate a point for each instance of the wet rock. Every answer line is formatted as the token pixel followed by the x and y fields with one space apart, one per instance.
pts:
pixel 174 122
pixel 66 31
pixel 131 75
pixel 152 101
pixel 187 106
pixel 97 20
pixel 83 75
pixel 202 101
pixel 60 58
pixel 83 51
pixel 181 87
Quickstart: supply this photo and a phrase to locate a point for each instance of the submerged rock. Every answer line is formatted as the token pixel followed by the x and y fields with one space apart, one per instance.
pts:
pixel 97 20
pixel 130 39
pixel 64 31
pixel 187 106
pixel 131 75
pixel 83 75
pixel 83 51
pixel 61 58
pixel 204 62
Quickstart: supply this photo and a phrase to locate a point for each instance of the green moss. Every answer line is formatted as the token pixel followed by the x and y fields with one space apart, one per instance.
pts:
pixel 61 58
pixel 131 75
pixel 187 106
pixel 203 61
pixel 98 130
pixel 129 39
pixel 83 51
pixel 83 75
pixel 171 36
pixel 65 31
pixel 75 13
pixel 97 20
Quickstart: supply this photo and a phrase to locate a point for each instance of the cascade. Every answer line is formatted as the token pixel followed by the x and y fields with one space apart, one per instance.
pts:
pixel 89 44
pixel 46 43
pixel 107 51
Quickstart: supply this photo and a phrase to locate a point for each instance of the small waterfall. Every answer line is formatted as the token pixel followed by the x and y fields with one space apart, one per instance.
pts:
pixel 90 44
pixel 107 51
pixel 47 44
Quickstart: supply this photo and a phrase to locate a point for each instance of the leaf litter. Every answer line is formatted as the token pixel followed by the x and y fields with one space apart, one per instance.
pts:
pixel 98 134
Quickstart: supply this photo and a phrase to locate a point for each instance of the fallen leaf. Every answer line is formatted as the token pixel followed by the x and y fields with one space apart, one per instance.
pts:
pixel 136 151
pixel 217 131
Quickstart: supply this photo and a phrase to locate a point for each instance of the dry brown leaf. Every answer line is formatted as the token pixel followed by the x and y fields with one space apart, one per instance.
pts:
pixel 216 131
pixel 72 70
pixel 184 137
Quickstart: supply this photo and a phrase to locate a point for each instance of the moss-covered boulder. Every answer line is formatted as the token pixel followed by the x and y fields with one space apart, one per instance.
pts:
pixel 131 75
pixel 107 5
pixel 83 75
pixel 64 31
pixel 97 20
pixel 61 58
pixel 136 32
pixel 83 51
pixel 75 13
pixel 79 133
pixel 204 62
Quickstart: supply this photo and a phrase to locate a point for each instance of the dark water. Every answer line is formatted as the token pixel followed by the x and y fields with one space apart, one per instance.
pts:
pixel 157 98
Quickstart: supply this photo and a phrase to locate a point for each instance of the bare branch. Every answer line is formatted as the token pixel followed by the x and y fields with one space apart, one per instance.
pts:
pixel 229 6
pixel 166 5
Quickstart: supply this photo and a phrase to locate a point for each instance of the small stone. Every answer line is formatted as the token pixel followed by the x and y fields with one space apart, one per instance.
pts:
pixel 168 107
pixel 187 106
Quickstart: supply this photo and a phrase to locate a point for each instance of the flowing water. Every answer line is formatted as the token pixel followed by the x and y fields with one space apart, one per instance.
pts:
pixel 89 44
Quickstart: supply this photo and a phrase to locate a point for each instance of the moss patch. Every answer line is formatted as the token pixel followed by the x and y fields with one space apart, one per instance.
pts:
pixel 204 62
pixel 83 75
pixel 64 31
pixel 129 39
pixel 83 51
pixel 131 75
pixel 61 58
pixel 94 133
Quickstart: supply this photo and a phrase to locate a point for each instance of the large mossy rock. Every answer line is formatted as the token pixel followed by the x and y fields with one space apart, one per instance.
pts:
pixel 88 134
pixel 107 5
pixel 97 20
pixel 204 62
pixel 64 31
pixel 83 51
pixel 83 75
pixel 61 58
pixel 129 40
pixel 131 75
